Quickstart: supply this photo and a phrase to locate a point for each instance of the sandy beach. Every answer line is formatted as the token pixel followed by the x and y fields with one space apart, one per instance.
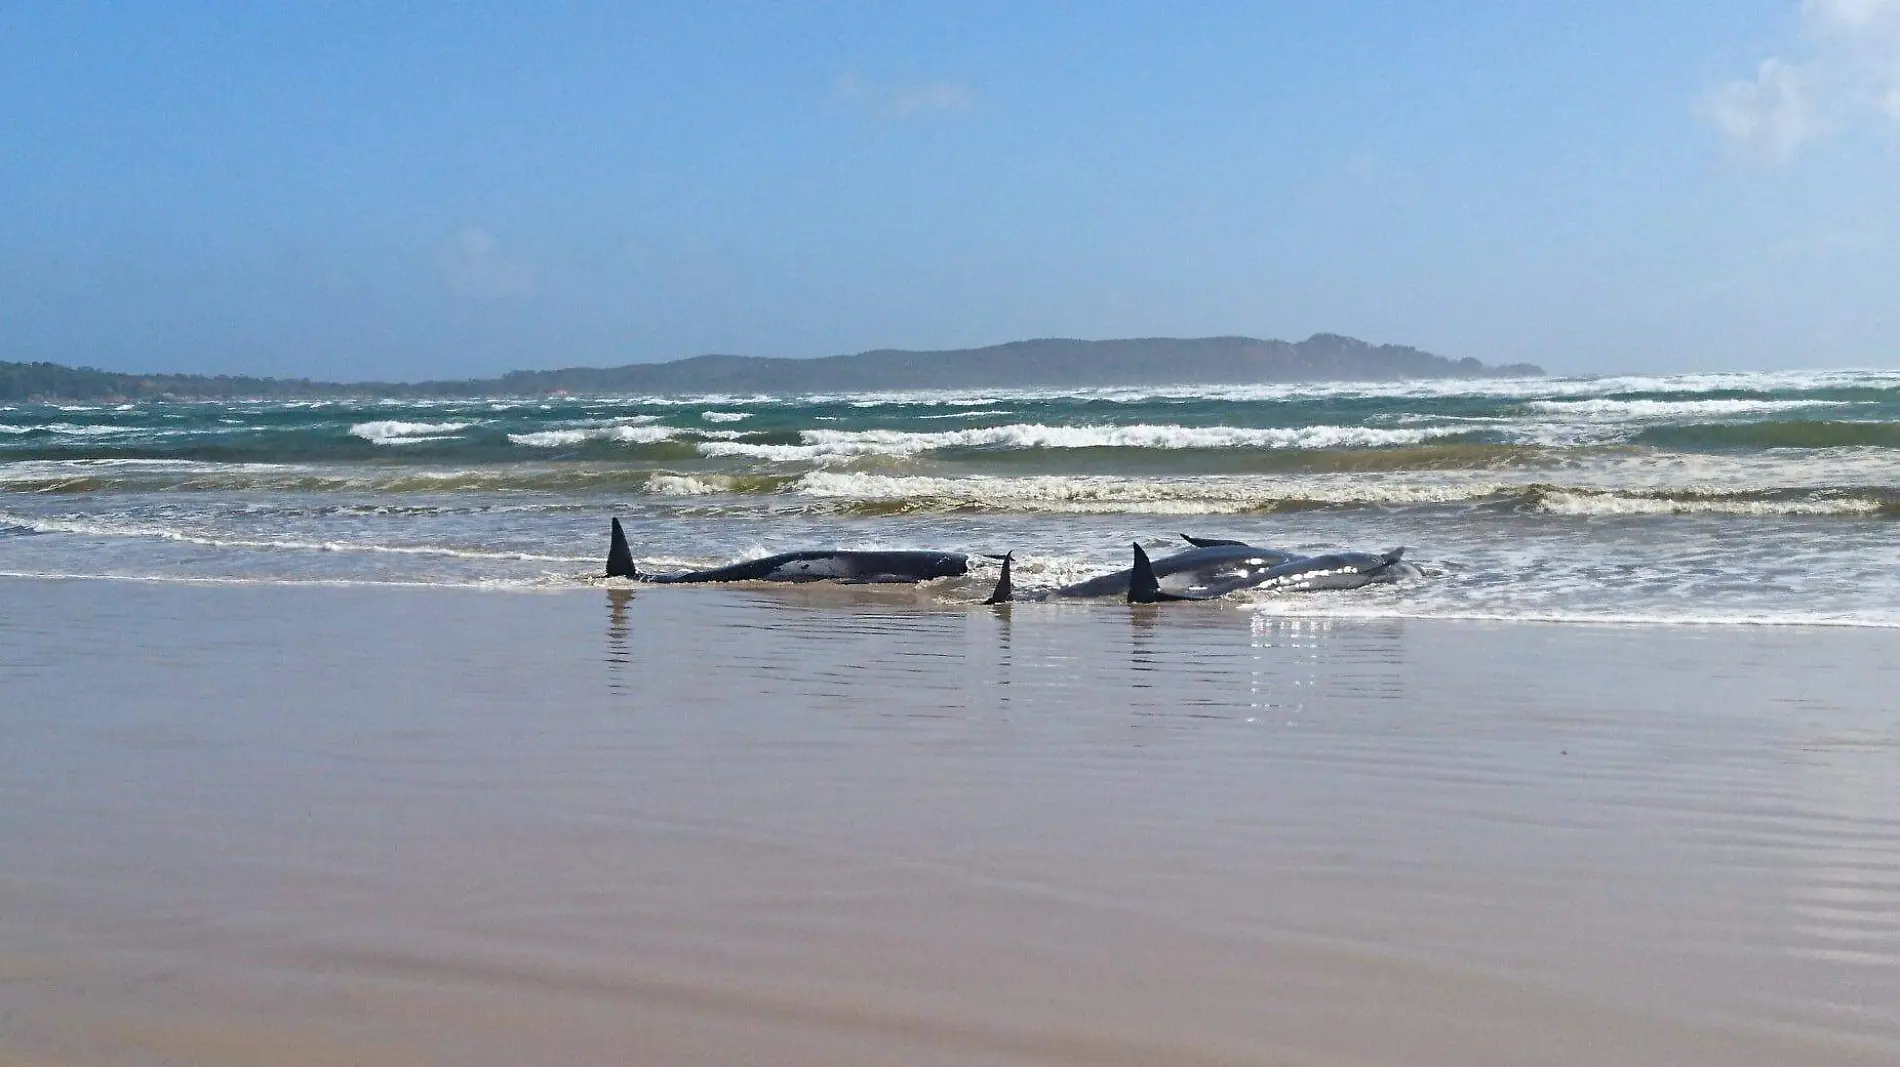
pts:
pixel 360 825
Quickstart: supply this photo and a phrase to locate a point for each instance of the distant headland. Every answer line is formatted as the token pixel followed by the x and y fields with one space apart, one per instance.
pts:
pixel 1039 364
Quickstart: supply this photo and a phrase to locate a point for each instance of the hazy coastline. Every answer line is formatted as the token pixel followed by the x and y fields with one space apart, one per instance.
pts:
pixel 1047 363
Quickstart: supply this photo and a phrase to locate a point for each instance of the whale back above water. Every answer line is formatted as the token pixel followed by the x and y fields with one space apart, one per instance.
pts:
pixel 815 565
pixel 1336 570
pixel 1217 561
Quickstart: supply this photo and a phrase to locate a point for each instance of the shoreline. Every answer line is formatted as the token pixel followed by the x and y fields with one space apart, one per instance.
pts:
pixel 322 826
pixel 870 596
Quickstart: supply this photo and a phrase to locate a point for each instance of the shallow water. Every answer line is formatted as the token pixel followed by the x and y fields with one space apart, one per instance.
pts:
pixel 261 824
pixel 1743 498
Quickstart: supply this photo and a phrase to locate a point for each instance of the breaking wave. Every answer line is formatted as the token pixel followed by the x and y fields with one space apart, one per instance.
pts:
pixel 391 432
pixel 1617 410
pixel 170 533
pixel 831 444
pixel 626 434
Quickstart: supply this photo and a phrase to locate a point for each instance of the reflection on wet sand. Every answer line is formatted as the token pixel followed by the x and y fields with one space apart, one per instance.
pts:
pixel 344 826
pixel 619 655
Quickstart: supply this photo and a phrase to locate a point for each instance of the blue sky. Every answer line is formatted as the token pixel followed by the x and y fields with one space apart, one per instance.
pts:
pixel 374 190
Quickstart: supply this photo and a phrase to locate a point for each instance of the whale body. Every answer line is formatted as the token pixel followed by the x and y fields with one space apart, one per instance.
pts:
pixel 1210 560
pixel 1337 570
pixel 817 565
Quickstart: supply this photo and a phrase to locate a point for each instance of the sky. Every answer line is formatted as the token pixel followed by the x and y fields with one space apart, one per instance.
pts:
pixel 400 191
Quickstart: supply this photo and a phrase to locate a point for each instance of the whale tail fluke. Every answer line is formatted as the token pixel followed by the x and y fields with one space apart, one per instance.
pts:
pixel 619 556
pixel 1143 587
pixel 1005 591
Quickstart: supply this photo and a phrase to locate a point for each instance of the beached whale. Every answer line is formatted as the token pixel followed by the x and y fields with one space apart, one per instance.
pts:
pixel 812 566
pixel 1210 559
pixel 1336 570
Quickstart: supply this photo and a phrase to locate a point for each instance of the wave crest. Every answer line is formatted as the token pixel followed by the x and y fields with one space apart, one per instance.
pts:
pixel 833 444
pixel 392 432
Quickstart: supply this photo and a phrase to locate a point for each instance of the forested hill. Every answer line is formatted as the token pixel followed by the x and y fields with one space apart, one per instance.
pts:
pixel 1041 364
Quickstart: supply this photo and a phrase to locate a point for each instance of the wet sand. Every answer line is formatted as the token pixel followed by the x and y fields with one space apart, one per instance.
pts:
pixel 325 826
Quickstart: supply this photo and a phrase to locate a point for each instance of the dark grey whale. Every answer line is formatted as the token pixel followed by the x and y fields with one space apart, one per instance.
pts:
pixel 811 566
pixel 1209 559
pixel 1337 570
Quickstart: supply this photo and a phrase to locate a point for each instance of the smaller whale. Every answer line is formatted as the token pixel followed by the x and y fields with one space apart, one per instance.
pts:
pixel 1341 570
pixel 857 568
pixel 1209 560
pixel 1338 570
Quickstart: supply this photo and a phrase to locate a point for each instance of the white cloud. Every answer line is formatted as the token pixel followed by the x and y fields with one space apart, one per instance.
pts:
pixel 474 264
pixel 1843 73
pixel 903 101
pixel 1771 116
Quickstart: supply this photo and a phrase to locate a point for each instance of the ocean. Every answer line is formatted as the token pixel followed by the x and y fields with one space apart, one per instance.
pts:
pixel 1756 498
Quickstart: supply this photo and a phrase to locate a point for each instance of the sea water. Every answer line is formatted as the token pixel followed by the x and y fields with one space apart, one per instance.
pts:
pixel 1763 498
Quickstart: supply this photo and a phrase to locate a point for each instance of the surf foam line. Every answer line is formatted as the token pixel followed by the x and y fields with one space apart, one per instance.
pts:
pixel 54 477
pixel 830 444
pixel 1216 495
pixel 1276 609
pixel 625 434
pixel 1618 410
pixel 392 432
pixel 1597 503
pixel 547 584
pixel 164 533
pixel 1526 389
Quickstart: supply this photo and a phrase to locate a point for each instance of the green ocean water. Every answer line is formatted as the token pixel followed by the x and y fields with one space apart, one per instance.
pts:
pixel 1727 497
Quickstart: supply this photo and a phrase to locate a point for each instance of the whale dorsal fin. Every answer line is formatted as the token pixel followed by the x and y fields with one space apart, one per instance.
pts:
pixel 1005 591
pixel 1143 587
pixel 619 556
pixel 1211 542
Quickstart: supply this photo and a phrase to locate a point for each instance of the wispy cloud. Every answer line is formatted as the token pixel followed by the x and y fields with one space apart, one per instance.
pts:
pixel 905 101
pixel 1842 72
pixel 475 264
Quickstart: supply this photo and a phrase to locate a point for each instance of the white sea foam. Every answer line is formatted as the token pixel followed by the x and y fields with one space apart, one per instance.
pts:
pixel 1322 608
pixel 624 434
pixel 85 528
pixel 829 444
pixel 683 485
pixel 979 413
pixel 725 416
pixel 1601 408
pixel 69 429
pixel 416 440
pixel 1229 495
pixel 1547 388
pixel 1568 503
pixel 1098 494
pixel 543 583
pixel 392 432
